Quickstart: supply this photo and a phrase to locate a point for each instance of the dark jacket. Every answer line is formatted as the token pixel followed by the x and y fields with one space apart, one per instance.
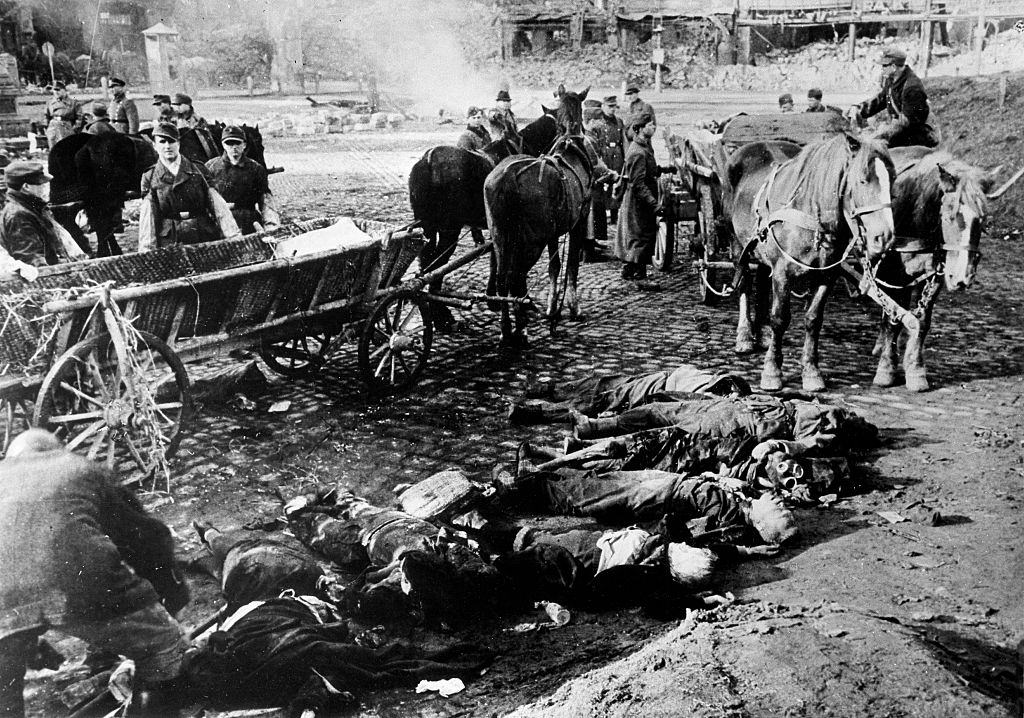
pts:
pixel 638 224
pixel 907 103
pixel 76 546
pixel 473 139
pixel 243 186
pixel 27 230
pixel 182 212
pixel 124 115
pixel 610 138
pixel 100 126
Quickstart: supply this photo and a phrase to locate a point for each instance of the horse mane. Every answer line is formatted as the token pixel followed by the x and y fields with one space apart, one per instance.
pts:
pixel 917 206
pixel 821 168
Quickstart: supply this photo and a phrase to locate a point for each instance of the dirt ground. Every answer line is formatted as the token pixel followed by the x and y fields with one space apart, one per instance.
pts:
pixel 860 618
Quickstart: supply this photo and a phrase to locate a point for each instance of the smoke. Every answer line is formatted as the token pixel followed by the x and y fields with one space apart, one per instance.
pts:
pixel 420 50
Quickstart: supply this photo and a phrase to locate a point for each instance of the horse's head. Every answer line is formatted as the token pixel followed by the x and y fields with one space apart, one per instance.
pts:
pixel 867 195
pixel 962 219
pixel 570 110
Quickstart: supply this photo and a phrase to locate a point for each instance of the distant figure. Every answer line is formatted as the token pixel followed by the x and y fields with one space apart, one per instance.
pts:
pixel 904 97
pixel 503 103
pixel 100 123
pixel 636 107
pixel 785 102
pixel 164 111
pixel 476 137
pixel 124 115
pixel 814 103
pixel 64 115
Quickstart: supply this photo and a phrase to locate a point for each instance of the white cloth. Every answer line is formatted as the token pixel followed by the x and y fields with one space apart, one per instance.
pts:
pixel 621 548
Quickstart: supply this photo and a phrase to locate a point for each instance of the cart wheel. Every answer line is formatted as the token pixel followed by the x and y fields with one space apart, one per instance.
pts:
pixel 86 401
pixel 705 277
pixel 15 413
pixel 299 356
pixel 665 246
pixel 395 343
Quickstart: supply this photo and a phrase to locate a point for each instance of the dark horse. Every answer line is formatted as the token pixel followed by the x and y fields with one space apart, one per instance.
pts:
pixel 939 207
pixel 531 202
pixel 801 219
pixel 446 190
pixel 98 171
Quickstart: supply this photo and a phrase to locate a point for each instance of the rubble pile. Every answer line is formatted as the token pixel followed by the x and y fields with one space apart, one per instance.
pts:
pixel 329 121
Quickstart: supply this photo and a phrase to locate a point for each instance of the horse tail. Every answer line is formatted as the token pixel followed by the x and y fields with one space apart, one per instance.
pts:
pixel 423 196
pixel 504 219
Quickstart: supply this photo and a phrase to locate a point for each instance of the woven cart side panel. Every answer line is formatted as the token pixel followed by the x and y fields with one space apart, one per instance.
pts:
pixel 227 253
pixel 30 338
pixel 299 286
pixel 155 313
pixel 125 269
pixel 255 298
pixel 398 255
pixel 348 274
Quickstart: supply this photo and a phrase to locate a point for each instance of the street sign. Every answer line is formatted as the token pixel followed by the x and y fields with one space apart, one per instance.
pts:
pixel 48 49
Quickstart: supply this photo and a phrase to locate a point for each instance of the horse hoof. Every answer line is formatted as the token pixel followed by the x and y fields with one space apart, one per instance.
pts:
pixel 813 382
pixel 745 346
pixel 917 382
pixel 764 343
pixel 771 382
pixel 884 379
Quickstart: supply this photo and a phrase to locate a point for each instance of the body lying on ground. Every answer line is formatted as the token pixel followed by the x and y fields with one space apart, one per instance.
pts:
pixel 614 393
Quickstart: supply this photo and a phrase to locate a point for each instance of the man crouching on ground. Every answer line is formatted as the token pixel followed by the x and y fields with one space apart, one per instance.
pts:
pixel 79 554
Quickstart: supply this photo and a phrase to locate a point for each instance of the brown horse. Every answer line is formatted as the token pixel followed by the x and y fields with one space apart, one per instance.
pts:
pixel 939 206
pixel 530 203
pixel 801 219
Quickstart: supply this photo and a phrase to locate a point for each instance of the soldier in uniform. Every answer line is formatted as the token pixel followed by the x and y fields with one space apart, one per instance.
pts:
pixel 785 102
pixel 904 97
pixel 187 119
pixel 178 204
pixel 635 109
pixel 612 147
pixel 64 115
pixel 124 115
pixel 503 104
pixel 597 227
pixel 100 122
pixel 476 136
pixel 164 111
pixel 242 182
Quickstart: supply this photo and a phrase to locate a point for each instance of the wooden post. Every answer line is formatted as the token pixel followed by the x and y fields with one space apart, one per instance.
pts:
pixel 1002 91
pixel 851 41
pixel 979 37
pixel 249 84
pixel 926 39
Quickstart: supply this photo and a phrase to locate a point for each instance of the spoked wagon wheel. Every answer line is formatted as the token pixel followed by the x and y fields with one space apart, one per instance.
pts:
pixel 395 343
pixel 299 356
pixel 87 400
pixel 16 415
pixel 665 246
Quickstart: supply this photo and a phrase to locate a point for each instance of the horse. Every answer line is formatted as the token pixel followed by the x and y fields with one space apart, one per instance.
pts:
pixel 530 203
pixel 98 171
pixel 939 207
pixel 446 193
pixel 800 220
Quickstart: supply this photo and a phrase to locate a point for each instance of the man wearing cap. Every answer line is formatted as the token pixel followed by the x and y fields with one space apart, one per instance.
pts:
pixel 124 115
pixel 597 228
pixel 785 102
pixel 242 182
pixel 28 231
pixel 635 108
pixel 100 122
pixel 904 97
pixel 611 146
pixel 187 119
pixel 476 137
pixel 814 103
pixel 164 111
pixel 178 204
pixel 64 115
pixel 638 221
pixel 81 555
pixel 503 104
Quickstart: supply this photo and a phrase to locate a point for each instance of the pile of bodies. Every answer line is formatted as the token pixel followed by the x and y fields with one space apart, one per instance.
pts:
pixel 686 470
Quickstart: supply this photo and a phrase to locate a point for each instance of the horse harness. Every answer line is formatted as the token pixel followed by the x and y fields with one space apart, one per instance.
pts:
pixel 791 215
pixel 557 162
